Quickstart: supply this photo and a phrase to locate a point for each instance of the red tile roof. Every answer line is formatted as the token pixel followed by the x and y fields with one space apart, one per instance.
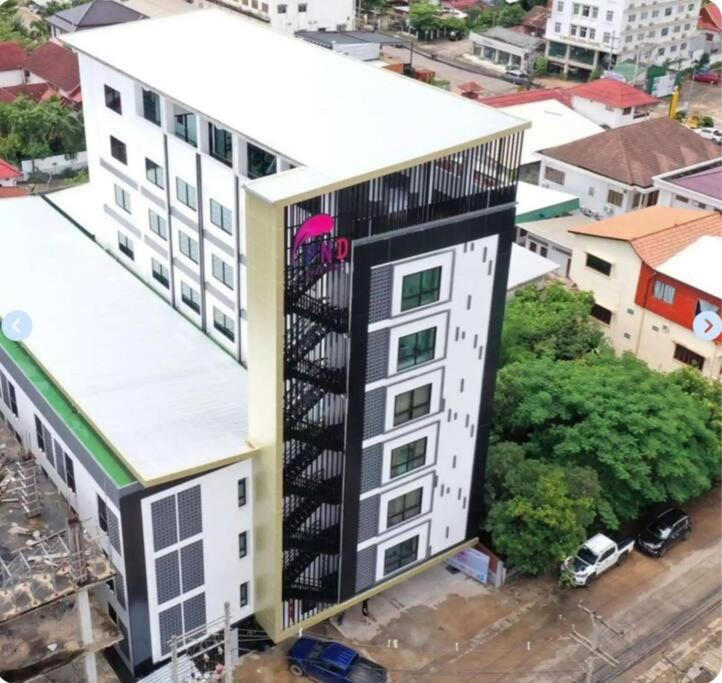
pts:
pixel 658 232
pixel 710 18
pixel 635 154
pixel 9 192
pixel 560 94
pixel 35 91
pixel 12 56
pixel 55 64
pixel 613 93
pixel 536 17
pixel 8 171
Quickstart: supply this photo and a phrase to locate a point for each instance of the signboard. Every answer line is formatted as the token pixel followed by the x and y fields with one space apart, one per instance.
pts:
pixel 315 248
pixel 471 562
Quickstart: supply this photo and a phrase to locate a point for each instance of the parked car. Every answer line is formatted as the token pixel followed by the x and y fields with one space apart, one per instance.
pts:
pixel 594 557
pixel 663 530
pixel 516 76
pixel 707 77
pixel 710 134
pixel 329 662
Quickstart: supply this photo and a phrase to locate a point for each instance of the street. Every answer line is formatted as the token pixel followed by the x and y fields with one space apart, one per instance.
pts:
pixel 443 628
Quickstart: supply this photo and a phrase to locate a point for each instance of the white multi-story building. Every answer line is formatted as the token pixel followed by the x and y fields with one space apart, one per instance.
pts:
pixel 585 36
pixel 356 269
pixel 289 16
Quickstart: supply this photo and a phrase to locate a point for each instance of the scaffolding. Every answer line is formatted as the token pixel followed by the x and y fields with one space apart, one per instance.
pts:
pixel 48 567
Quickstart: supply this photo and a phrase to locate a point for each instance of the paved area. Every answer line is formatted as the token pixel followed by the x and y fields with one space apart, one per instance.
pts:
pixel 443 628
pixel 456 75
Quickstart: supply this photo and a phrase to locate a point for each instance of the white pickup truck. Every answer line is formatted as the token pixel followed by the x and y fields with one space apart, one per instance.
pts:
pixel 594 557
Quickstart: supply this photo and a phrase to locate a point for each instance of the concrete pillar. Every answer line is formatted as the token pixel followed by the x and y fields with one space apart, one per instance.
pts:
pixel 566 60
pixel 85 622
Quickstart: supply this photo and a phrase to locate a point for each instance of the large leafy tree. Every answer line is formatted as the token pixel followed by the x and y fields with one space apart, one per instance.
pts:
pixel 647 438
pixel 30 130
pixel 542 513
pixel 424 17
pixel 551 322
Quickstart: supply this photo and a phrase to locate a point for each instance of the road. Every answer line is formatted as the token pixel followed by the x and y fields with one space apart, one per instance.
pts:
pixel 456 75
pixel 522 633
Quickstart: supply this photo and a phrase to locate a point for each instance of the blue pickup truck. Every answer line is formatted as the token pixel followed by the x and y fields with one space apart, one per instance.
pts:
pixel 329 662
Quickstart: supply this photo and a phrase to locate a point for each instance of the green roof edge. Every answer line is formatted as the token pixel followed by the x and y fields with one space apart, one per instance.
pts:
pixel 76 423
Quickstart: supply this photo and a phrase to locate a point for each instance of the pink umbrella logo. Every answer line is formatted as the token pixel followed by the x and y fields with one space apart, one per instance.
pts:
pixel 317 226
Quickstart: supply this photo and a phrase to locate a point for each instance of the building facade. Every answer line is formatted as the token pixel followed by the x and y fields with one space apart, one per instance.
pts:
pixel 583 37
pixel 290 16
pixel 696 187
pixel 361 283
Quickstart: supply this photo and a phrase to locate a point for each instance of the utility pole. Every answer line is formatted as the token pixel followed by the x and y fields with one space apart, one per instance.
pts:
pixel 592 644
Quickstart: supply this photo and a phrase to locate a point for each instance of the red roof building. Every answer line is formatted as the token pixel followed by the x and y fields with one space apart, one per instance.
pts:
pixel 9 175
pixel 526 96
pixel 37 92
pixel 613 93
pixel 710 18
pixel 534 22
pixel 58 66
pixel 12 56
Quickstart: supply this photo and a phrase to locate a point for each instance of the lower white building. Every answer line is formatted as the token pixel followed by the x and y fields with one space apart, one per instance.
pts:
pixel 506 49
pixel 139 421
pixel 290 16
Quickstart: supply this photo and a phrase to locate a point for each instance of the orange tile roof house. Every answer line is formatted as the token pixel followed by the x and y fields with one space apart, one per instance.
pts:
pixel 612 172
pixel 646 294
pixel 57 65
pixel 611 103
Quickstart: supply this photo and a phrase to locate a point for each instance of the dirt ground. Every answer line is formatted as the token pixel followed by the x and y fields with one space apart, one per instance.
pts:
pixel 444 629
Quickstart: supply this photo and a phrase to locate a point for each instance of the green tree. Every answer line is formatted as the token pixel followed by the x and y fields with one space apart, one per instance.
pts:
pixel 550 322
pixel 647 438
pixel 595 75
pixel 541 66
pixel 542 517
pixel 454 24
pixel 706 391
pixel 424 17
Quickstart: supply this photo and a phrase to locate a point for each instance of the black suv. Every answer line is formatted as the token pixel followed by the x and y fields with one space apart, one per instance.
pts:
pixel 663 531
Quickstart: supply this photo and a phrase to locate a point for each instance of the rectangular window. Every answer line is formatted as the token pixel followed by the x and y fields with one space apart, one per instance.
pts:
pixel 573 29
pixel 188 246
pixel 610 15
pixel 241 492
pixel 303 7
pixel 412 404
pixel 598 264
pixel 190 297
pixel 223 324
pixel 221 216
pixel 186 194
pixel 664 292
pixel 416 348
pixel 557 27
pixel 404 507
pixel 125 245
pixel 11 400
pixel 615 198
pixel 160 272
pixel 154 173
pixel 260 162
pixel 560 6
pixel 282 9
pixel 122 198
pixel 703 305
pixel 102 514
pixel 420 289
pixel 401 554
pixel 242 544
pixel 408 457
pixel 684 355
pixel 157 224
pixel 39 434
pixel 186 127
pixel 112 614
pixel 69 473
pixel 112 99
pixel 575 8
pixel 554 175
pixel 118 150
pixel 222 271
pixel 603 315
pixel 220 144
pixel 151 106
pixel 244 593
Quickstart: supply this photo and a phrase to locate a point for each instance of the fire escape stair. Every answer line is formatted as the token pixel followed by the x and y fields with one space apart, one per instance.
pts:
pixel 314 537
pixel 318 374
pixel 315 488
pixel 332 318
pixel 320 590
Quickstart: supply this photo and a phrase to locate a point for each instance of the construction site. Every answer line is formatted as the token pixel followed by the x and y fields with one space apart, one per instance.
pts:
pixel 51 628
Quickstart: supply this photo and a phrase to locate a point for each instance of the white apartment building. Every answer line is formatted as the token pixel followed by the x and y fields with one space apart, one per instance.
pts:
pixel 289 16
pixel 584 36
pixel 357 270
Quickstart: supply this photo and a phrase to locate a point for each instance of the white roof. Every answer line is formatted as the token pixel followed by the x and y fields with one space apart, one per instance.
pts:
pixel 698 265
pixel 536 198
pixel 322 110
pixel 525 266
pixel 165 398
pixel 552 124
pixel 557 229
pixel 598 543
